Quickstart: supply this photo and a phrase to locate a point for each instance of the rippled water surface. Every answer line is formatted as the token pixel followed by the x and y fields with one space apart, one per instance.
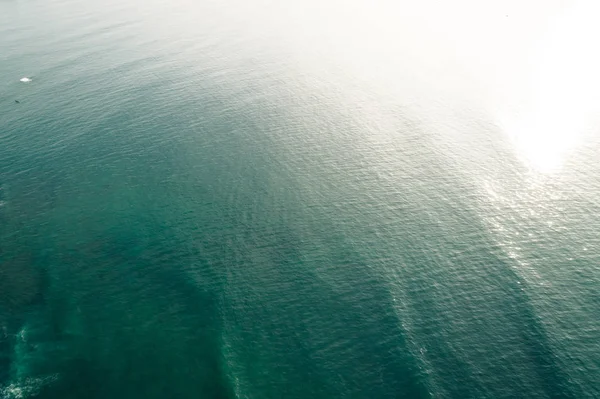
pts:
pixel 299 199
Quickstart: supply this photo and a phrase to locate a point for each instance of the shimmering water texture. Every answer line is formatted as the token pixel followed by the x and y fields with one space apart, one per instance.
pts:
pixel 299 199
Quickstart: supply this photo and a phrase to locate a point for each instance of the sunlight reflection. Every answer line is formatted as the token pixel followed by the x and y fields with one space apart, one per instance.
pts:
pixel 566 84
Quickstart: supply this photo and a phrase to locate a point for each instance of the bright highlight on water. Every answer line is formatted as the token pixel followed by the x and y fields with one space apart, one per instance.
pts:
pixel 300 199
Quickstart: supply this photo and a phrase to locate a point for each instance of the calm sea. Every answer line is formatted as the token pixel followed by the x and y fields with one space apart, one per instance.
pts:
pixel 299 199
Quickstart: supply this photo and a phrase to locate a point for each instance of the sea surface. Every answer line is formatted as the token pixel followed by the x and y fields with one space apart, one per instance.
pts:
pixel 299 199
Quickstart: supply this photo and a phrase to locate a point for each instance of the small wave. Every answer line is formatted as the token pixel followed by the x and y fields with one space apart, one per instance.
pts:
pixel 26 388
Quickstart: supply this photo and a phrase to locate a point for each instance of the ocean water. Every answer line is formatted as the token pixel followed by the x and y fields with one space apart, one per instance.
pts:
pixel 299 199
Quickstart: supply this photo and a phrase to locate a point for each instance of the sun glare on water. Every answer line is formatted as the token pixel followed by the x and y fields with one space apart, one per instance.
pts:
pixel 564 93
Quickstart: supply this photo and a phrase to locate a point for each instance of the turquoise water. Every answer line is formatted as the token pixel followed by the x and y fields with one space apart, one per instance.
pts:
pixel 304 200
